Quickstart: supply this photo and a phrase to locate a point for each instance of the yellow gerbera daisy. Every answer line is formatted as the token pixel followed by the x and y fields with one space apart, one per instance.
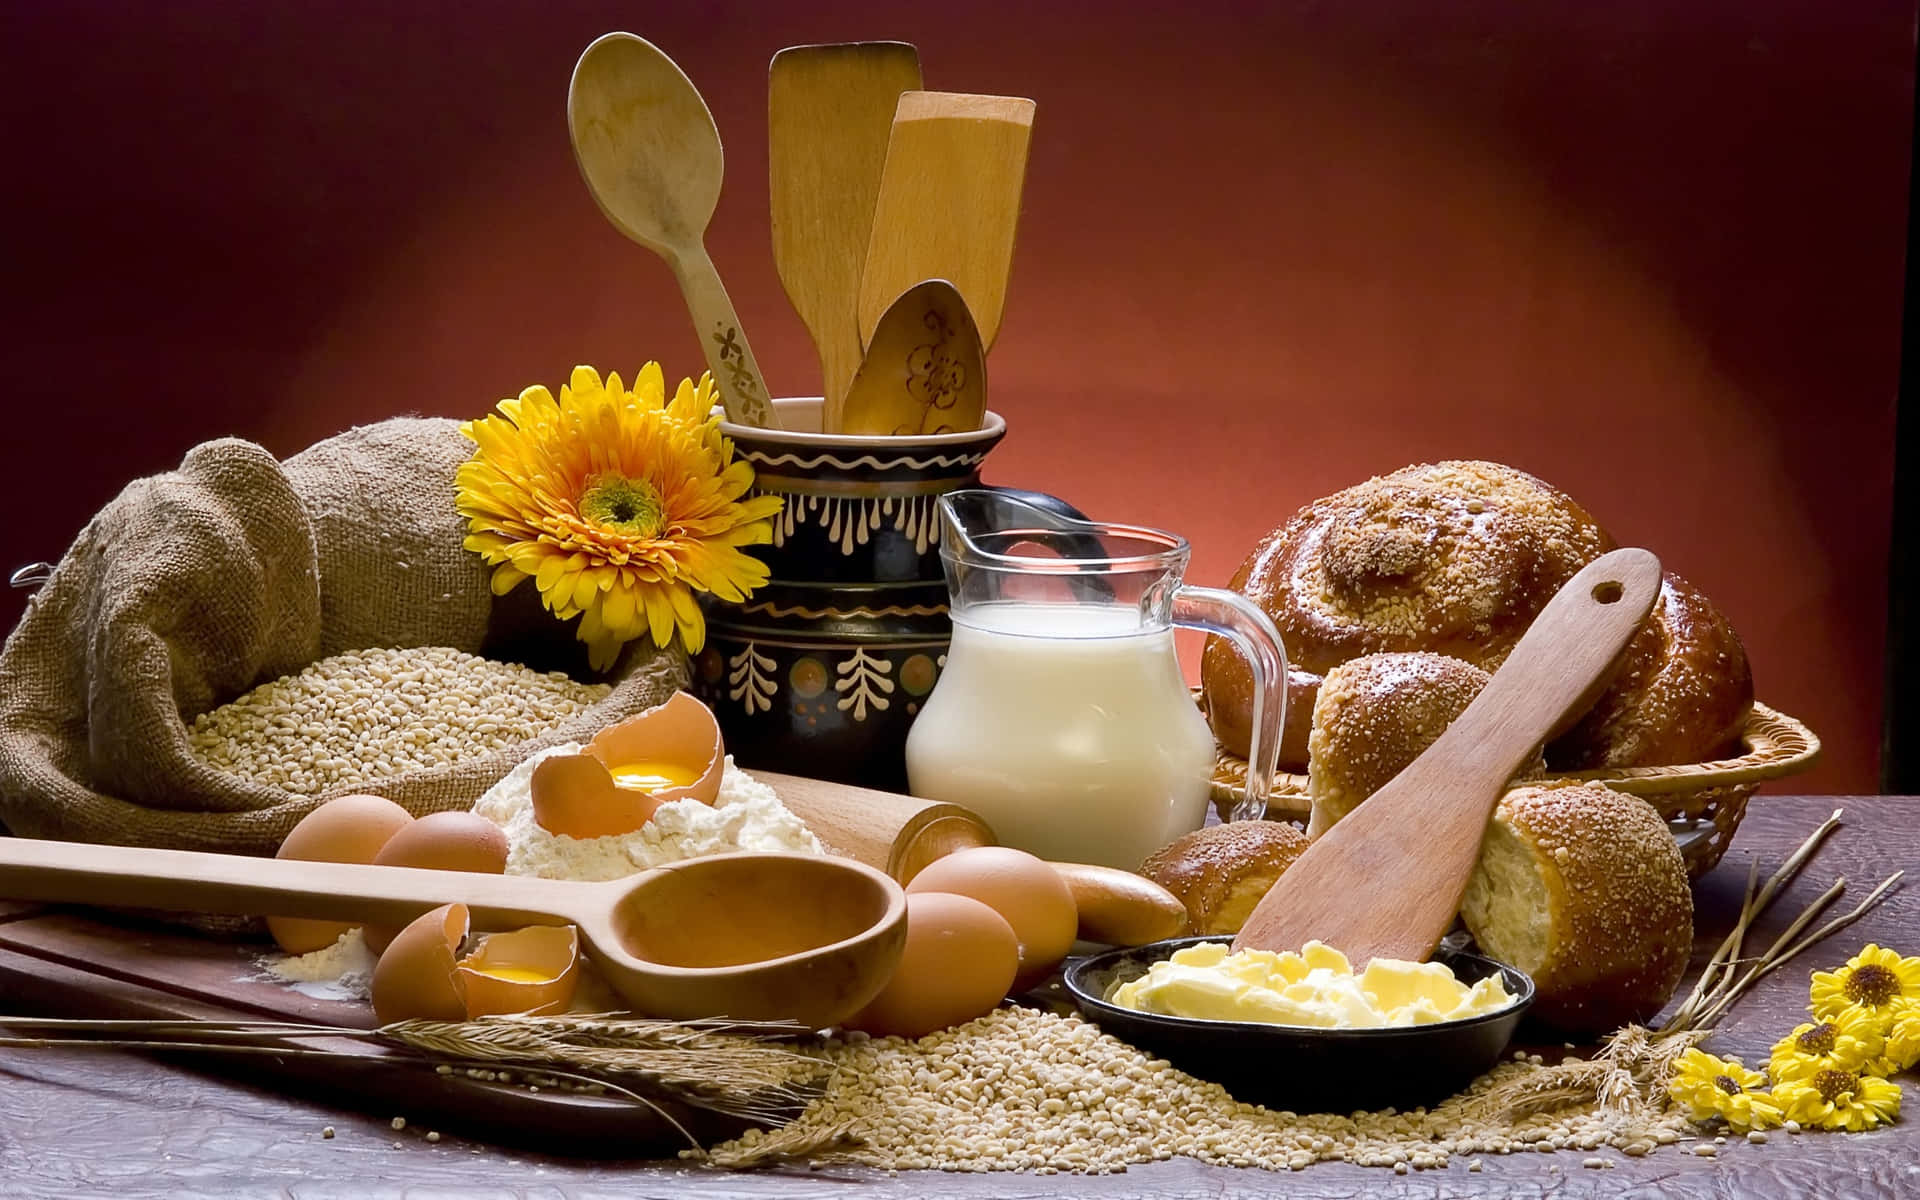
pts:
pixel 618 505
pixel 1827 1098
pixel 1707 1087
pixel 1848 1043
pixel 1875 983
pixel 1903 1043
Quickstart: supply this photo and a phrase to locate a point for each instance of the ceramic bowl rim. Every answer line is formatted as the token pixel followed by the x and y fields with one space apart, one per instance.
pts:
pixel 993 427
pixel 1076 972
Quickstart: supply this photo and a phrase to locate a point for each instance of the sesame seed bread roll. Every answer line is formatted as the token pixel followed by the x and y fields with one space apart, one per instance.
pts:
pixel 1682 692
pixel 1583 888
pixel 1454 557
pixel 1373 716
pixel 1220 872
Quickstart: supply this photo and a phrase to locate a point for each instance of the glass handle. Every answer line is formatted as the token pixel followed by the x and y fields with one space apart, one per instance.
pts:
pixel 1251 631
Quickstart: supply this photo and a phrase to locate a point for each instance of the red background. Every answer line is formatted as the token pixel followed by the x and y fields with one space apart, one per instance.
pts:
pixel 1651 251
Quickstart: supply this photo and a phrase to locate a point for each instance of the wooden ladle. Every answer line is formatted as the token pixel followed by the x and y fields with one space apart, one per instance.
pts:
pixel 924 371
pixel 650 153
pixel 798 937
pixel 1386 880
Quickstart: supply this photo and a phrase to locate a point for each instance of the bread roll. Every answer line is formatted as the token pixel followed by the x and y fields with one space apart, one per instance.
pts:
pixel 1222 871
pixel 1373 716
pixel 1584 889
pixel 1682 692
pixel 1454 557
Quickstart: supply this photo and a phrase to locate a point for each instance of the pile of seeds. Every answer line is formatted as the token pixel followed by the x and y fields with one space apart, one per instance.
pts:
pixel 366 715
pixel 1020 1089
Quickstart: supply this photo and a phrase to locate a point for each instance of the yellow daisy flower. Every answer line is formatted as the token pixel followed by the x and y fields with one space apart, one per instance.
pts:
pixel 1707 1087
pixel 1875 983
pixel 618 505
pixel 1827 1098
pixel 1903 1043
pixel 1848 1043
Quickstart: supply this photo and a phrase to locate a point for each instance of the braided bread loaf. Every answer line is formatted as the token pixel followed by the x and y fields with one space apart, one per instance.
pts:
pixel 1458 558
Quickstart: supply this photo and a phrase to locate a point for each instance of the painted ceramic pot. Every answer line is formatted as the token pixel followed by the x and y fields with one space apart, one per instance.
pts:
pixel 822 671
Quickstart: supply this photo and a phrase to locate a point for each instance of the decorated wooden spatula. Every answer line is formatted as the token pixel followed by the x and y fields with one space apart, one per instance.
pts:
pixel 1386 881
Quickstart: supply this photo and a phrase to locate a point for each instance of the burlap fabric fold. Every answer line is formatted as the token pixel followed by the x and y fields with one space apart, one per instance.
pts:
pixel 194 586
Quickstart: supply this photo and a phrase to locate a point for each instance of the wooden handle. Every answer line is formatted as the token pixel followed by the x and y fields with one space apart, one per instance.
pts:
pixel 895 833
pixel 191 881
pixel 736 373
pixel 1386 881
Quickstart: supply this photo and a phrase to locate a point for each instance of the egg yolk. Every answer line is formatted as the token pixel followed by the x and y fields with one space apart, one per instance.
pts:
pixel 514 974
pixel 653 776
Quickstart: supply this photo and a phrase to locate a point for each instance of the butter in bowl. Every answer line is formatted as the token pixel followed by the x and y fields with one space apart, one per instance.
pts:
pixel 1302 1032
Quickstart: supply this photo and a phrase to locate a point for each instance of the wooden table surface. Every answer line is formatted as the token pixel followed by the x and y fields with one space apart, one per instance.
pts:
pixel 99 1123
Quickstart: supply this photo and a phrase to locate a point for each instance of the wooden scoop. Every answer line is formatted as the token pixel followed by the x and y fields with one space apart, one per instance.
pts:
pixel 650 154
pixel 799 937
pixel 829 113
pixel 924 372
pixel 1386 880
pixel 949 204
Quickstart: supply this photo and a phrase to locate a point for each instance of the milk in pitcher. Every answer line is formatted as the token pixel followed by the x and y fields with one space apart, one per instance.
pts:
pixel 1069 728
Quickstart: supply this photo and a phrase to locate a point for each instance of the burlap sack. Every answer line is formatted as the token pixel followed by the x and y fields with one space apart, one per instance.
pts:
pixel 194 586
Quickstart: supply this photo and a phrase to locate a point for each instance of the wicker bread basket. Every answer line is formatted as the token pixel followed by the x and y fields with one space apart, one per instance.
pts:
pixel 1703 802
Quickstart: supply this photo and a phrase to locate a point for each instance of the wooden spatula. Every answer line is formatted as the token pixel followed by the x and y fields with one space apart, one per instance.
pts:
pixel 829 115
pixel 924 371
pixel 949 203
pixel 1386 881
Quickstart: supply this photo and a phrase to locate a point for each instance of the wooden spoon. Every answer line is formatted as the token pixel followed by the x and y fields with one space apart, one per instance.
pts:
pixel 1386 880
pixel 803 937
pixel 949 204
pixel 829 113
pixel 925 371
pixel 650 153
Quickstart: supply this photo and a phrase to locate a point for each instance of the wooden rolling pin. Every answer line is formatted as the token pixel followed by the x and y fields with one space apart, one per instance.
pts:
pixel 902 834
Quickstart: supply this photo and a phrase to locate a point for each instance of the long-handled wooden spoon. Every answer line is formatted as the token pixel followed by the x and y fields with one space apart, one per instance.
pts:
pixel 924 372
pixel 829 113
pixel 949 204
pixel 1386 880
pixel 753 936
pixel 650 153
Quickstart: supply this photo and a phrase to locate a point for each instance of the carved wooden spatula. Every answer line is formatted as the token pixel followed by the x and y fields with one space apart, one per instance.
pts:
pixel 1386 880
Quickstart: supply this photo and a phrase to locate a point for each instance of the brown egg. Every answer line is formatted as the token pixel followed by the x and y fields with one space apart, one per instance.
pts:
pixel 1023 889
pixel 531 970
pixel 414 979
pixel 959 960
pixel 670 752
pixel 346 829
pixel 443 841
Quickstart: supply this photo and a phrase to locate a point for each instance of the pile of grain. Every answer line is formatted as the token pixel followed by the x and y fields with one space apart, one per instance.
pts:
pixel 1020 1089
pixel 355 718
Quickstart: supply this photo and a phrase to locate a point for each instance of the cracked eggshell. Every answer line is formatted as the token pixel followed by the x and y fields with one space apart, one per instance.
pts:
pixel 533 970
pixel 575 794
pixel 346 829
pixel 414 979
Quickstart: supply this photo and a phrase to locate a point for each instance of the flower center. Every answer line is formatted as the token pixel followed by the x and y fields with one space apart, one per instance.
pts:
pixel 1872 985
pixel 1819 1040
pixel 1834 1085
pixel 1727 1084
pixel 628 505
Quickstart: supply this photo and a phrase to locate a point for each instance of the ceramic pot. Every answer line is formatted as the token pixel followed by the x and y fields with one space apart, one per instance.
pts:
pixel 821 671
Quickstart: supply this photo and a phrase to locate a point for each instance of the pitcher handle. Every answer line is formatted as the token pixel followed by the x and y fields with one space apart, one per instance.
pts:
pixel 1252 633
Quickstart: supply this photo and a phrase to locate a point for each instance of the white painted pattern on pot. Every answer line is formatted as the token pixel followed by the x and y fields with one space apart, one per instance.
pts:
pixel 863 681
pixel 747 680
pixel 850 521
pixel 762 458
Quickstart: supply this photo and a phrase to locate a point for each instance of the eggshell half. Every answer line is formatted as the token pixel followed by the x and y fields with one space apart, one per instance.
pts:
pixel 1023 889
pixel 346 829
pixel 443 841
pixel 959 960
pixel 548 954
pixel 414 979
pixel 575 795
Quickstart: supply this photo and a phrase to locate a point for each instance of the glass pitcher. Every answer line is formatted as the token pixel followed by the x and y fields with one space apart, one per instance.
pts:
pixel 1061 716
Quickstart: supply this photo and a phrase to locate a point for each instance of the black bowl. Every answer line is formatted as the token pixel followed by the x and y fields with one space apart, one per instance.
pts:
pixel 1308 1070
